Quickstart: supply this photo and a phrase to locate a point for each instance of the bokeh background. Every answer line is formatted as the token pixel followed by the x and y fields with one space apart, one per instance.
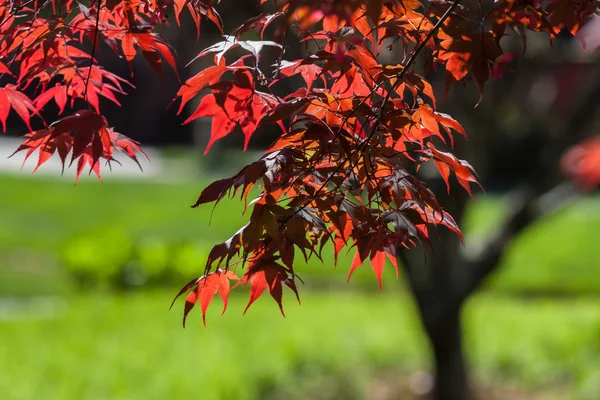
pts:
pixel 87 272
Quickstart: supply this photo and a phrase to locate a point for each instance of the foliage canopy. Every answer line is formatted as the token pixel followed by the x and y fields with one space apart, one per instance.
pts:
pixel 353 135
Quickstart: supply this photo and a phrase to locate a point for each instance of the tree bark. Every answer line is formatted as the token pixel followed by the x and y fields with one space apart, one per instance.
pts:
pixel 450 381
pixel 443 280
pixel 440 314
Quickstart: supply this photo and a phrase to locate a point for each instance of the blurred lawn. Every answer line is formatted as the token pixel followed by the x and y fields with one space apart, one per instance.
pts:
pixel 130 347
pixel 100 221
pixel 107 346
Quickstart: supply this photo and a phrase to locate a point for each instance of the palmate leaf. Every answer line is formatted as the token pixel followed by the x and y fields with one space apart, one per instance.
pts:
pixel 152 47
pixel 377 259
pixel 198 9
pixel 195 84
pixel 203 290
pixel 11 97
pixel 266 274
pixel 258 23
pixel 231 42
pixel 87 84
pixel 230 105
pixel 464 172
pixel 308 72
pixel 86 136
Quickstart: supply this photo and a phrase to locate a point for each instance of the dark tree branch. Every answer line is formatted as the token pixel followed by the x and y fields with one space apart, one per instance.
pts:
pixel 442 287
pixel 527 207
pixel 541 195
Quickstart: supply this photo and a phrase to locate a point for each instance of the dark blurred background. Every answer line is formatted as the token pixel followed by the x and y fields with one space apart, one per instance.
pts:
pixel 87 272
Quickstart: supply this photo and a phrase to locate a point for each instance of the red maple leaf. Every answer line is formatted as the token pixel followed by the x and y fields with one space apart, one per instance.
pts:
pixel 85 135
pixel 233 103
pixel 23 106
pixel 203 291
pixel 267 274
pixel 445 162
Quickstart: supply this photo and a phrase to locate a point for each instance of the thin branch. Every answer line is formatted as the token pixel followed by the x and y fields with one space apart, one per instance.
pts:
pixel 527 208
pixel 363 144
pixel 399 78
pixel 94 43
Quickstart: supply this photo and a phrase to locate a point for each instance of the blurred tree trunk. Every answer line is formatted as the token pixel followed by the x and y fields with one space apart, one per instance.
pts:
pixel 450 365
pixel 433 279
pixel 443 279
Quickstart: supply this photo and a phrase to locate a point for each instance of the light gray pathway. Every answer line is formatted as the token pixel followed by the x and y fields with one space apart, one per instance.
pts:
pixel 52 168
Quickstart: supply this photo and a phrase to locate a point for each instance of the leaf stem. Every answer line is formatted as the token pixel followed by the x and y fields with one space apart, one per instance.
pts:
pixel 92 54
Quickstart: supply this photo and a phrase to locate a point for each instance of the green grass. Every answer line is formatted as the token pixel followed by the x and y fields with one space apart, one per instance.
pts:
pixel 102 346
pixel 47 222
pixel 558 254
pixel 107 347
pixel 43 213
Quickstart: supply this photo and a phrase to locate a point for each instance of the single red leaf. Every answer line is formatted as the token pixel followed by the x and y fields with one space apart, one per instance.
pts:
pixel 214 192
pixel 23 106
pixel 86 135
pixel 309 72
pixel 394 262
pixel 87 158
pixel 356 262
pixel 44 154
pixel 184 289
pixel 193 85
pixel 4 69
pixel 4 109
pixel 378 263
pixel 444 171
pixel 231 42
pixel 190 302
pixel 258 283
pixel 267 274
pixel 204 290
pixel 208 286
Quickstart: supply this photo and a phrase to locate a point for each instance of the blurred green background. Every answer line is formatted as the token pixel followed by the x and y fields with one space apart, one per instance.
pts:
pixel 87 274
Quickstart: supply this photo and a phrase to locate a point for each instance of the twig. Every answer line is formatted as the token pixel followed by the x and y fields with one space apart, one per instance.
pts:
pixel 92 54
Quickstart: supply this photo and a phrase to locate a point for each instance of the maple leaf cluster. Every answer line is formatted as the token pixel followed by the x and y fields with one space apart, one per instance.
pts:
pixel 42 52
pixel 343 171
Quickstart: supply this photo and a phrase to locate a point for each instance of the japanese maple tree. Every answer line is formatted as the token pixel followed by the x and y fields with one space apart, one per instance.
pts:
pixel 342 173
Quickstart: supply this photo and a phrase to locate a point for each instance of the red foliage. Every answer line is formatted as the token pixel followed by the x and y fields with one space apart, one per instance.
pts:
pixel 342 172
pixel 582 164
pixel 203 290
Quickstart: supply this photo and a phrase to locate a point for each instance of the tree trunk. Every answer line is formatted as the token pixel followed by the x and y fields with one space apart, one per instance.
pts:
pixel 450 381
